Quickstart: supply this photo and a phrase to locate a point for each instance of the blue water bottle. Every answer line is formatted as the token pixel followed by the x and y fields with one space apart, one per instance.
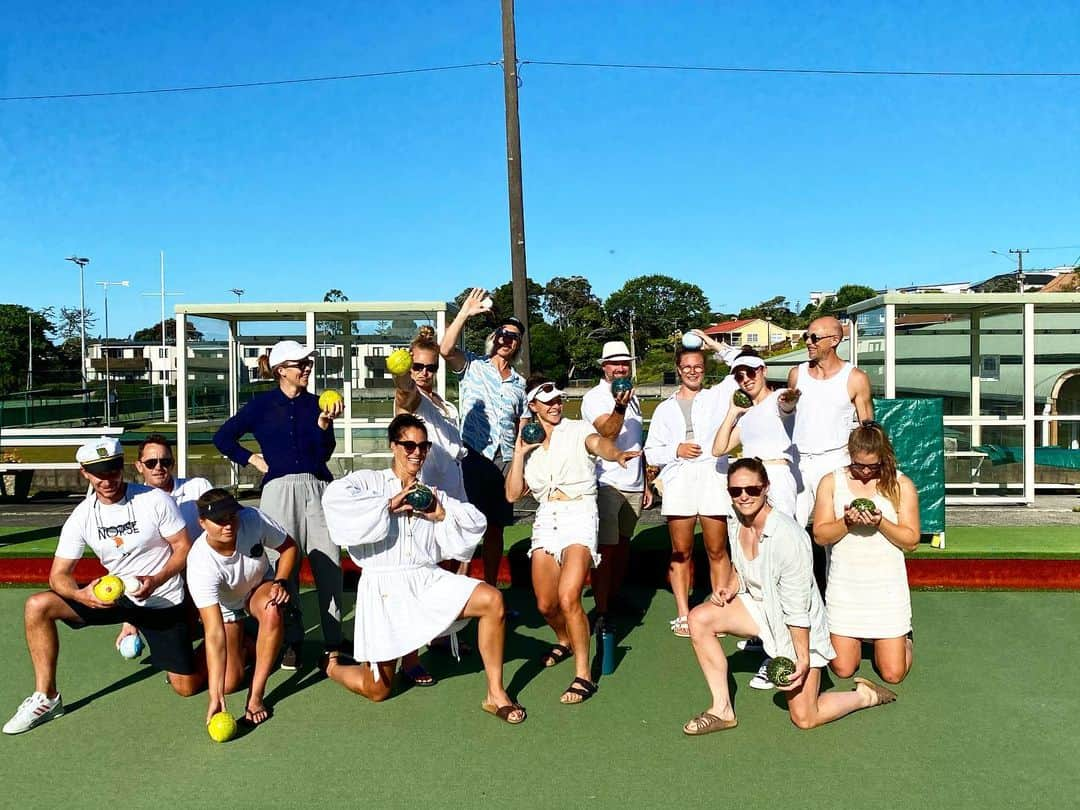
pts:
pixel 607 649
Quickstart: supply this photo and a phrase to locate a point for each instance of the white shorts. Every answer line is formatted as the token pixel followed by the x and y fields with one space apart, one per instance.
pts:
pixel 560 524
pixel 757 613
pixel 695 489
pixel 814 467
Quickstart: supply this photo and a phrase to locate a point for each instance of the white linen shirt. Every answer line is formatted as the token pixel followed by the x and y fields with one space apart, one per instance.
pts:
pixel 598 401
pixel 565 464
pixel 668 428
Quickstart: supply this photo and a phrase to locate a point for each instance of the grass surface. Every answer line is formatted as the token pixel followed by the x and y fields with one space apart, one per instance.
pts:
pixel 979 723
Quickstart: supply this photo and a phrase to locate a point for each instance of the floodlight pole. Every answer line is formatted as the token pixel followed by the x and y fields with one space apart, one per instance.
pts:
pixel 82 261
pixel 105 346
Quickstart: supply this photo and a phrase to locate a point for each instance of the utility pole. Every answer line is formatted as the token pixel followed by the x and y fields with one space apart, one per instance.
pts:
pixel 164 349
pixel 1019 253
pixel 633 349
pixel 513 179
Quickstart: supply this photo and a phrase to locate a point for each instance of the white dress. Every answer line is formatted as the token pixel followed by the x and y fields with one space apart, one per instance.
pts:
pixel 867 594
pixel 403 599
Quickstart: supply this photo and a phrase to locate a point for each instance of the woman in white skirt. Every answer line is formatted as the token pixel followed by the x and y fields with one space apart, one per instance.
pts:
pixel 867 593
pixel 404 598
pixel 561 474
pixel 693 480
pixel 763 429
pixel 771 594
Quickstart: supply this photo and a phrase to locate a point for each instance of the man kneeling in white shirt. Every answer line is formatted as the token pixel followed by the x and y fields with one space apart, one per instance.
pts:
pixel 229 577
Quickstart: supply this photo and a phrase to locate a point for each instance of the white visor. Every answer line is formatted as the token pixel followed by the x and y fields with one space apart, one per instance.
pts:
pixel 545 393
pixel 748 362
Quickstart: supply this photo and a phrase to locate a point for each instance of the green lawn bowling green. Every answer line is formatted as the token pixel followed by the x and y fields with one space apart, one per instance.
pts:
pixel 984 720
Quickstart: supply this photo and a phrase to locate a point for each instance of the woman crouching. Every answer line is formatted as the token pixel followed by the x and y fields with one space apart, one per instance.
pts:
pixel 771 595
pixel 404 598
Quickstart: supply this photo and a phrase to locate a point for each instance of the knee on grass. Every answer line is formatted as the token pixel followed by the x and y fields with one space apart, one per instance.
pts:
pixel 185 685
pixel 892 674
pixel 843 669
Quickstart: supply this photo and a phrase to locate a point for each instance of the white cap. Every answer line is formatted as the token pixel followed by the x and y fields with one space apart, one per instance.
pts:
pixel 545 392
pixel 749 361
pixel 614 351
pixel 288 351
pixel 101 455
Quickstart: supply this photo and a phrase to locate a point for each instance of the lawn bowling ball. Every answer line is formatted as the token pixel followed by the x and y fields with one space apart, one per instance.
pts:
pixel 420 498
pixel 691 341
pixel 109 588
pixel 780 670
pixel 131 646
pixel 532 433
pixel 742 399
pixel 620 385
pixel 487 303
pixel 222 727
pixel 328 399
pixel 864 505
pixel 399 361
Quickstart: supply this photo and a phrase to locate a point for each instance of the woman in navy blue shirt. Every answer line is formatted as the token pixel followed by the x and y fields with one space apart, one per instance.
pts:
pixel 296 438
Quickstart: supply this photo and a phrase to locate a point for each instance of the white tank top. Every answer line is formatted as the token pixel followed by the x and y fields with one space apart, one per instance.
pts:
pixel 825 415
pixel 763 431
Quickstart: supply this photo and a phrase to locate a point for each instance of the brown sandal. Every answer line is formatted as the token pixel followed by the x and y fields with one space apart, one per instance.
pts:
pixel 504 712
pixel 706 723
pixel 555 656
pixel 881 694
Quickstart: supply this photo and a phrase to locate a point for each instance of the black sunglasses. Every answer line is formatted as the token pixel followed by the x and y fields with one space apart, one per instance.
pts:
pixel 741 374
pixel 151 463
pixel 412 447
pixel 815 339
pixel 867 468
pixel 507 334
pixel 430 368
pixel 301 364
pixel 753 490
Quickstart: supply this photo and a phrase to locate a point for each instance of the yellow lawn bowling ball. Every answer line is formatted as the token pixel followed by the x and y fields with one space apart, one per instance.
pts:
pixel 222 727
pixel 399 361
pixel 328 399
pixel 109 588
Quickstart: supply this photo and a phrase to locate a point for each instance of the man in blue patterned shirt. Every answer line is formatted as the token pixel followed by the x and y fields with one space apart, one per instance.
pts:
pixel 491 400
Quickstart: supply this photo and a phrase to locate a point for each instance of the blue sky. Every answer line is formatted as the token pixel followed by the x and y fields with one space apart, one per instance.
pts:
pixel 749 185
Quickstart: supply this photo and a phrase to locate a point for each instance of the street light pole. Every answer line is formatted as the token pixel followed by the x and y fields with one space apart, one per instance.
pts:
pixel 82 261
pixel 105 346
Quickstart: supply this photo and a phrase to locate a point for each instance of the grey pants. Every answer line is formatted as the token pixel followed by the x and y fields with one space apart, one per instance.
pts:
pixel 295 501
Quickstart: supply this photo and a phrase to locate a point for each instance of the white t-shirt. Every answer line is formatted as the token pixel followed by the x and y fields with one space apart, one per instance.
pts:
pixel 598 401
pixel 128 537
pixel 185 492
pixel 565 464
pixel 215 579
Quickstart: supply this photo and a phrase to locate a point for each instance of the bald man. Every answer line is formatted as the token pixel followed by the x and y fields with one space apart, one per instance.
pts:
pixel 835 398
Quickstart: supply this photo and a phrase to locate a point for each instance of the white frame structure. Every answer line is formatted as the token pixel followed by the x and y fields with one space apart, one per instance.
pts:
pixel 309 314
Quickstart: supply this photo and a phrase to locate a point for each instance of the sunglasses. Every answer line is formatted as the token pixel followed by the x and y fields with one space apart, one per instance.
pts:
pixel 151 463
pixel 815 339
pixel 866 468
pixel 753 490
pixel 412 447
pixel 430 368
pixel 302 364
pixel 507 334
pixel 691 369
pixel 744 374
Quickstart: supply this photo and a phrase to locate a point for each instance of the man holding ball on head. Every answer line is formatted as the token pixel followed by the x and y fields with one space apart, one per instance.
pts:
pixel 138 534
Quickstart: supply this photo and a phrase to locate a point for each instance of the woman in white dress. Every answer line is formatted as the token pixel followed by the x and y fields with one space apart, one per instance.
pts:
pixel 771 594
pixel 404 598
pixel 763 429
pixel 867 593
pixel 560 472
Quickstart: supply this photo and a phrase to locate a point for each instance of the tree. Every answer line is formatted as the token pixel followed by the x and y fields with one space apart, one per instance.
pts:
pixel 774 309
pixel 23 330
pixel 548 351
pixel 334 295
pixel 584 338
pixel 479 327
pixel 333 328
pixel 565 296
pixel 661 306
pixel 65 325
pixel 151 334
pixel 837 304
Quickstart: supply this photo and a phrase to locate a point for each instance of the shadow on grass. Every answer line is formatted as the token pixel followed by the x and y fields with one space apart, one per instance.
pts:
pixel 144 672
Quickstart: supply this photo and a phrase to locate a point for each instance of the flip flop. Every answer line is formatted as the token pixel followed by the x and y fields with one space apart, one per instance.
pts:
pixel 706 723
pixel 418 676
pixel 582 688
pixel 556 655
pixel 504 712
pixel 249 716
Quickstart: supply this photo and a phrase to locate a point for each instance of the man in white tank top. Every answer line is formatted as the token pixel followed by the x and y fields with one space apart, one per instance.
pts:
pixel 835 397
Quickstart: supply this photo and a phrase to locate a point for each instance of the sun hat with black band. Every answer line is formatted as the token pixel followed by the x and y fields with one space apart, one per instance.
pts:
pixel 101 456
pixel 614 351
pixel 220 509
pixel 544 392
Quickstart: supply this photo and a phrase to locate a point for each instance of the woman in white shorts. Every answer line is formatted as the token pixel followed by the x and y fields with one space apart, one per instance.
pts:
pixel 771 594
pixel 763 429
pixel 693 480
pixel 560 472
pixel 229 576
pixel 867 594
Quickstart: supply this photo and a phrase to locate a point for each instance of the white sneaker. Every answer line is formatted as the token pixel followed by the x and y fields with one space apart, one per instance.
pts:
pixel 34 711
pixel 749 644
pixel 761 679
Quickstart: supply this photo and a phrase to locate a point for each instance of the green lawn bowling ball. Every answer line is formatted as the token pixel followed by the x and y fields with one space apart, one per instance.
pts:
pixel 742 399
pixel 780 670
pixel 620 385
pixel 864 505
pixel 532 433
pixel 222 727
pixel 420 498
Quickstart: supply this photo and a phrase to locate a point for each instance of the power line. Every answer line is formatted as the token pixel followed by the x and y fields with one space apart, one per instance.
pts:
pixel 243 85
pixel 812 71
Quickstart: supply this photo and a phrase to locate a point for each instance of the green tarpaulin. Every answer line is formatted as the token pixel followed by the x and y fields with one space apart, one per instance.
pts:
pixel 916 429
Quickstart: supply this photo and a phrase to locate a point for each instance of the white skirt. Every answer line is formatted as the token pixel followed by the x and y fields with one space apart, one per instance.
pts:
pixel 560 524
pixel 401 609
pixel 768 641
pixel 695 489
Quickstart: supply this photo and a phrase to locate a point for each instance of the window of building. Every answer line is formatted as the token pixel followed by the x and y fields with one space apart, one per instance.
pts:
pixel 752 339
pixel 736 338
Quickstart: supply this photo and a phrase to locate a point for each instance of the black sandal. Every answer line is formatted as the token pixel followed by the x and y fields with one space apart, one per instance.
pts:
pixel 556 655
pixel 584 689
